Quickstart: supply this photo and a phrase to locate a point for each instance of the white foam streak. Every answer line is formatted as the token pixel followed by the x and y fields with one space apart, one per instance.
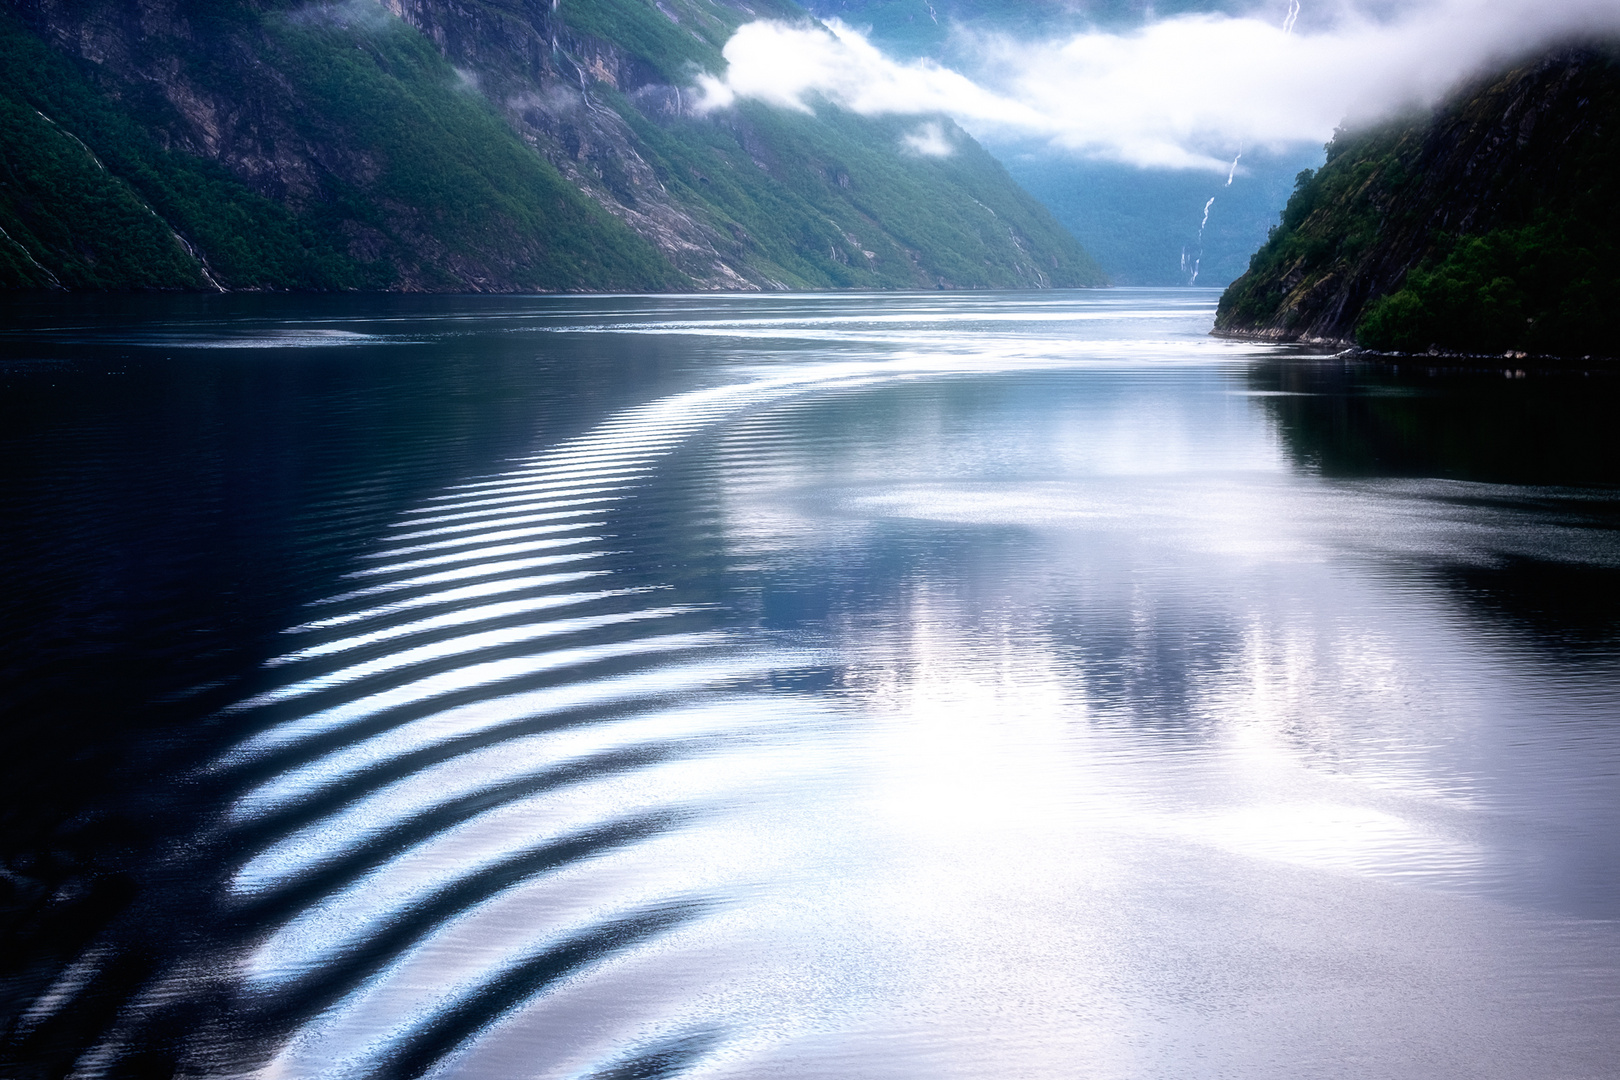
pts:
pixel 459 617
pixel 479 570
pixel 448 596
pixel 572 492
pixel 478 553
pixel 474 527
pixel 469 677
pixel 484 538
pixel 438 650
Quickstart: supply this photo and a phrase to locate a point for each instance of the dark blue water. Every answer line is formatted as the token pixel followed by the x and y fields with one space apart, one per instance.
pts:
pixel 880 686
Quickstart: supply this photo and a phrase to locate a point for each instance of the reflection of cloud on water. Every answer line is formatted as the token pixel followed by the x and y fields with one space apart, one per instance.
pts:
pixel 1194 645
pixel 1330 836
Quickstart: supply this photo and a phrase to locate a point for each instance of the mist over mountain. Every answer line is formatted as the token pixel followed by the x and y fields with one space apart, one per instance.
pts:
pixel 1491 226
pixel 441 146
pixel 1127 118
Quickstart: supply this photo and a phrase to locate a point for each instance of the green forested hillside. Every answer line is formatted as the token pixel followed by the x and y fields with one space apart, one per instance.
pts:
pixel 442 190
pixel 111 217
pixel 1492 226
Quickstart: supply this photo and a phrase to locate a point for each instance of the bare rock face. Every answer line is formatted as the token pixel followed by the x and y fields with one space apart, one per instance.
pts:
pixel 1390 199
pixel 545 79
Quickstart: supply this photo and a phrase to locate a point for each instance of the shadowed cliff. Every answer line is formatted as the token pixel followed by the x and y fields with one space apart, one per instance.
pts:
pixel 1488 227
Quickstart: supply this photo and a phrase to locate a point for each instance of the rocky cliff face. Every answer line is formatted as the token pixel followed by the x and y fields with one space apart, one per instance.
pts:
pixel 466 145
pixel 1486 212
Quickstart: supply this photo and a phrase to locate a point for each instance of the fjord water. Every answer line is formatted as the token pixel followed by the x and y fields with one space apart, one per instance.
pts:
pixel 813 686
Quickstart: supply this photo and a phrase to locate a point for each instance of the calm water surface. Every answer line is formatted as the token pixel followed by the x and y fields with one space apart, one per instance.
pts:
pixel 999 685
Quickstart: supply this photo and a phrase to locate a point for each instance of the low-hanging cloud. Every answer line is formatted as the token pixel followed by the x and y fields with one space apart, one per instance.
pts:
pixel 1178 93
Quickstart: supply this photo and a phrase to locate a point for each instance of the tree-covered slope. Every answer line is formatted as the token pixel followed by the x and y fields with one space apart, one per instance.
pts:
pixel 311 147
pixel 1492 226
pixel 456 145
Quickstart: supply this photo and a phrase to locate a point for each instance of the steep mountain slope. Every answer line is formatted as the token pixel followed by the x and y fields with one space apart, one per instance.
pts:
pixel 465 145
pixel 1492 226
pixel 295 151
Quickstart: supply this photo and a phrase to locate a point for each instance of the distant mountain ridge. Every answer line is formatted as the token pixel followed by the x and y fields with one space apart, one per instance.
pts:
pixel 1492 226
pixel 466 145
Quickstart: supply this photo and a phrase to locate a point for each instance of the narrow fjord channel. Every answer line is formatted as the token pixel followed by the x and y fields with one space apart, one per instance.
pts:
pixel 889 686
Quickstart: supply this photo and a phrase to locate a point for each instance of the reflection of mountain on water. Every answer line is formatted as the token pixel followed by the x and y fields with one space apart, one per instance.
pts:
pixel 1345 420
pixel 1538 432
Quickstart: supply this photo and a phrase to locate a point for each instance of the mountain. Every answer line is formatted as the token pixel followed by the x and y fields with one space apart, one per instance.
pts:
pixel 1491 226
pixel 466 145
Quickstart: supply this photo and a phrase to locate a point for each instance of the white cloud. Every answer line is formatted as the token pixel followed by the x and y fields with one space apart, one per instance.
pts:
pixel 928 140
pixel 1179 93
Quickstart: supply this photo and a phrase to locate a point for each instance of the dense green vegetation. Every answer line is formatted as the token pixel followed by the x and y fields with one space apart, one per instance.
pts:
pixel 90 224
pixel 449 176
pixel 1548 287
pixel 1492 227
pixel 108 239
pixel 448 171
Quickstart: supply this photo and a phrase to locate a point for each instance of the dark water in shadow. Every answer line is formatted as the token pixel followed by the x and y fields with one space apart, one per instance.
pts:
pixel 905 686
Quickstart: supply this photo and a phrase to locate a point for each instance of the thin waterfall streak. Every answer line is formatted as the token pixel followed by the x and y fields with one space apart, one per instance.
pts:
pixel 1287 29
pixel 1199 257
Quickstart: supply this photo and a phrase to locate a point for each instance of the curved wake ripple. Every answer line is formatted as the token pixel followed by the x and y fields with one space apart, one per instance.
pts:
pixel 441 811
